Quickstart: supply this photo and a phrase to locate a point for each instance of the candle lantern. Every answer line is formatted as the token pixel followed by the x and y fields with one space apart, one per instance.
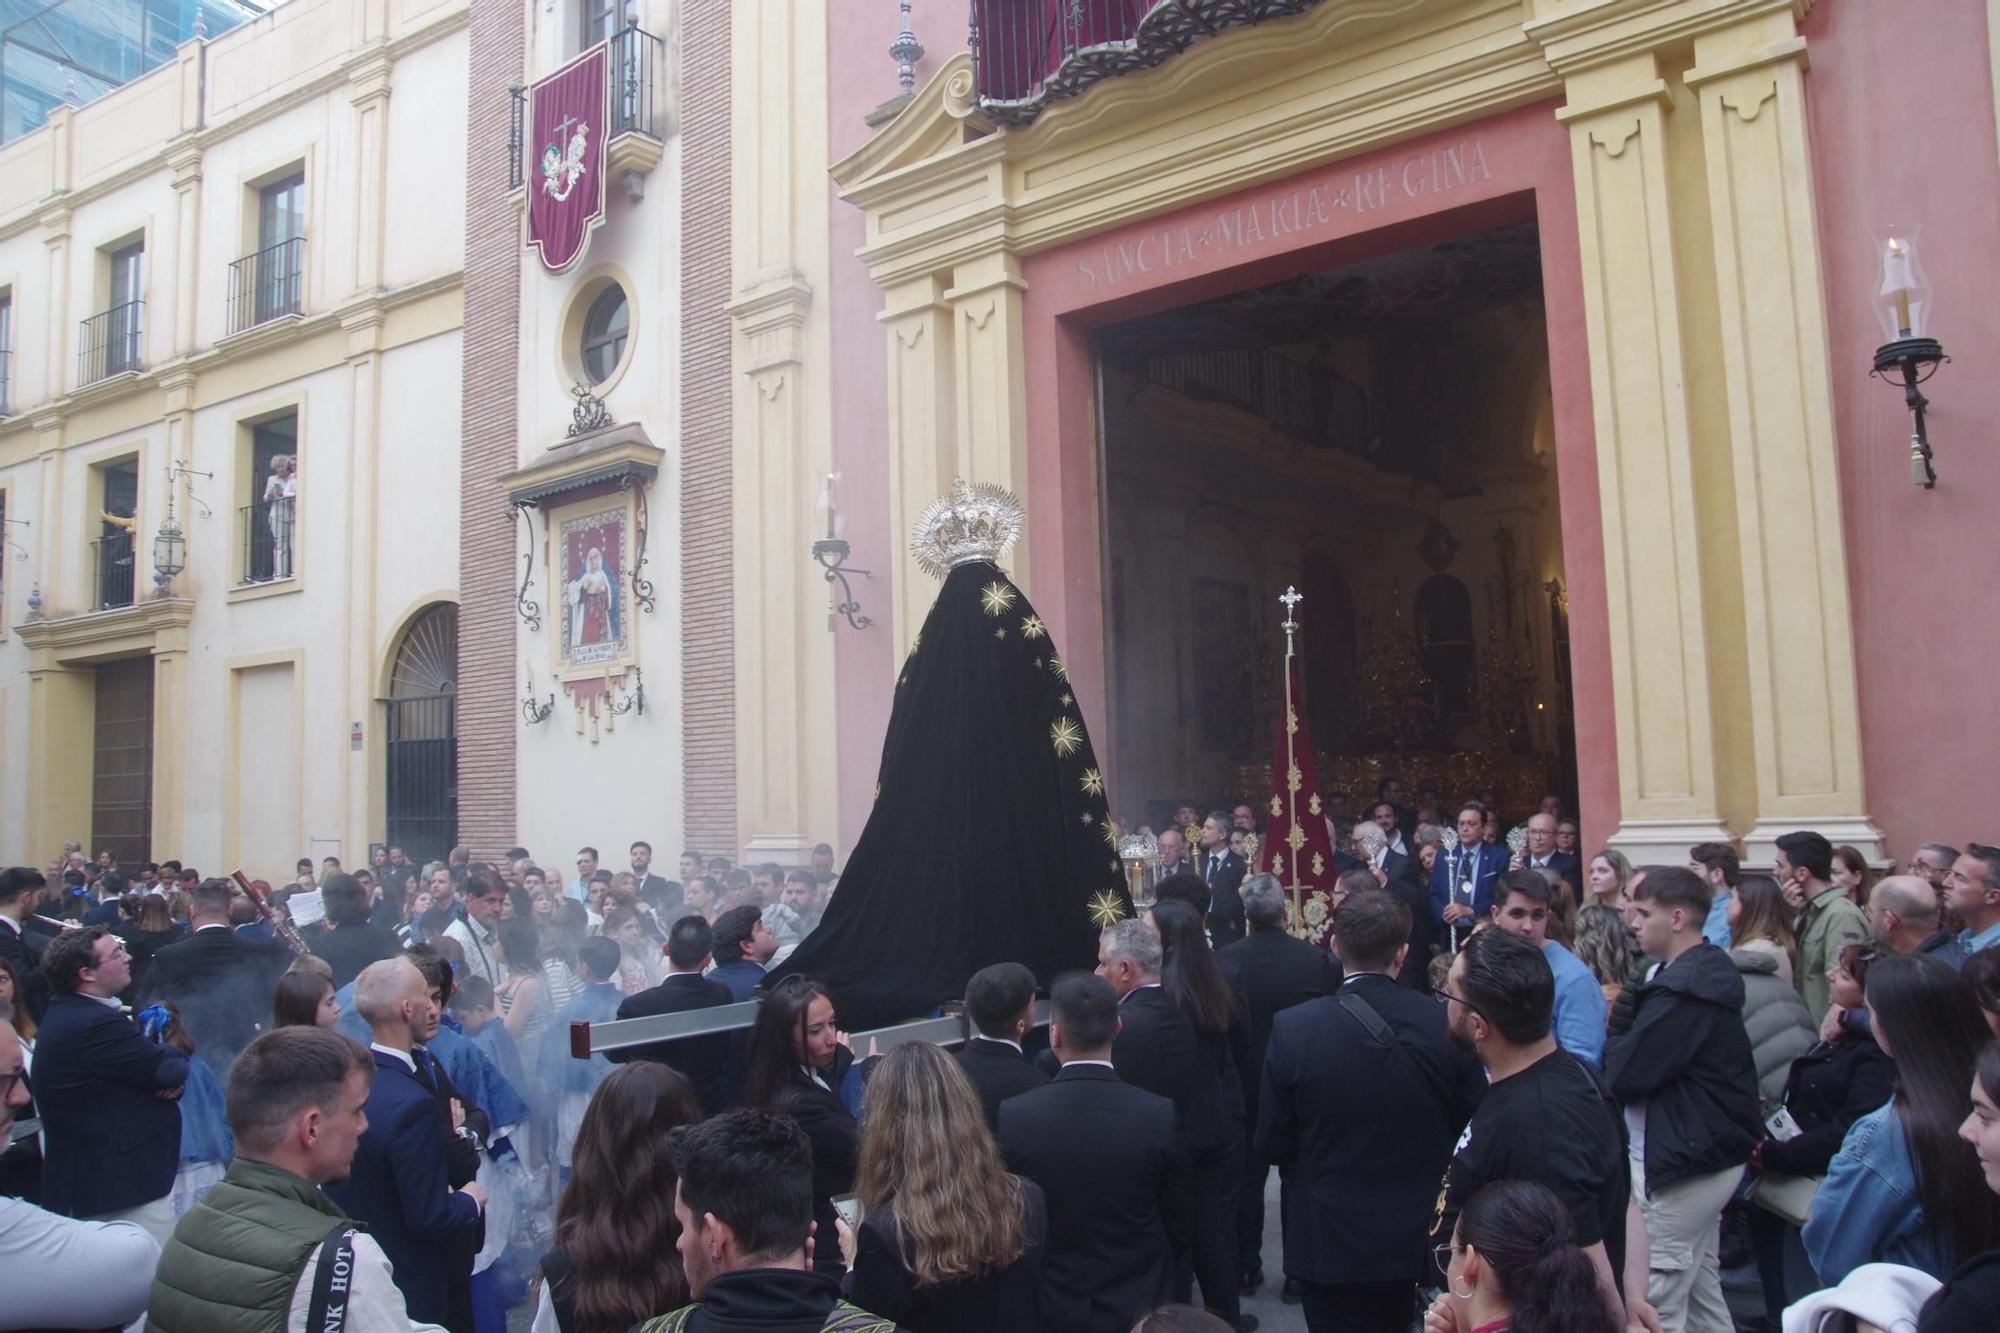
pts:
pixel 1911 355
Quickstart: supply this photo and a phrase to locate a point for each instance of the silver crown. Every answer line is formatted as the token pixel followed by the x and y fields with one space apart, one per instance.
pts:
pixel 974 522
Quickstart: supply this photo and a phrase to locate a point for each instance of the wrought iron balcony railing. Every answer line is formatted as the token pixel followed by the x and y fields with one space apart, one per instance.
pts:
pixel 635 63
pixel 110 343
pixel 265 285
pixel 115 568
pixel 268 549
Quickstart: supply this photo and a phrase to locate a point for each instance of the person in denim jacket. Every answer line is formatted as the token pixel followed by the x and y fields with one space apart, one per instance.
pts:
pixel 1899 1191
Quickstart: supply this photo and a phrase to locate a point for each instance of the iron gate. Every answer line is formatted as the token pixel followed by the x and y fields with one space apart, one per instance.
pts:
pixel 422 737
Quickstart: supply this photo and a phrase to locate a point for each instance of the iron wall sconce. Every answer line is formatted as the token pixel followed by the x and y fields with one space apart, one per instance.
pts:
pixel 1910 355
pixel 170 543
pixel 633 701
pixel 534 710
pixel 831 552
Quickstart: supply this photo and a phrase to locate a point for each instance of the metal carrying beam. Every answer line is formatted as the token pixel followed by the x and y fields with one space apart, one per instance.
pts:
pixel 587 1039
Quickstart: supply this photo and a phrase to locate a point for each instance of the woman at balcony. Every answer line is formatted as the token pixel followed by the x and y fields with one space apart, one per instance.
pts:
pixel 281 490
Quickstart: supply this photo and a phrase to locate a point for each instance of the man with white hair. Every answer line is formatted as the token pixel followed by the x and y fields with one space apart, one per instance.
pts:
pixel 397 1184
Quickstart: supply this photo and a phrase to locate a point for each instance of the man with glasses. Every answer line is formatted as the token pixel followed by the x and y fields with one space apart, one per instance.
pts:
pixel 1972 890
pixel 1546 1117
pixel 111 1128
pixel 1931 862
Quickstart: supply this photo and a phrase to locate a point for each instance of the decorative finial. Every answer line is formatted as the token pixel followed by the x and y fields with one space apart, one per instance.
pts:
pixel 35 600
pixel 200 24
pixel 1291 599
pixel 973 523
pixel 69 90
pixel 906 51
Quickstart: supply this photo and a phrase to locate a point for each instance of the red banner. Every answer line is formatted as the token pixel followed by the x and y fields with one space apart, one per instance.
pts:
pixel 1295 846
pixel 568 120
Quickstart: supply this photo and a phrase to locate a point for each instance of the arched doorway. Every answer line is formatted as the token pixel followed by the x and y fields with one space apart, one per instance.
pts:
pixel 423 736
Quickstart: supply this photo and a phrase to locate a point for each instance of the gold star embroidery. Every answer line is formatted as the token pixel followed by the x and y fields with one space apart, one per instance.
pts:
pixel 1032 628
pixel 1087 818
pixel 1056 665
pixel 1093 782
pixel 1106 909
pixel 995 598
pixel 1067 700
pixel 999 631
pixel 1066 736
pixel 1110 837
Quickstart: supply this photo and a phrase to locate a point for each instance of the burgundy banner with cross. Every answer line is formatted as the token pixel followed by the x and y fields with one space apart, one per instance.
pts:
pixel 568 119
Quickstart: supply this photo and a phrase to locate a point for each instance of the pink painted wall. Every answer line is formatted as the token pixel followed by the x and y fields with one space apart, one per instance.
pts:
pixel 1414 194
pixel 1900 100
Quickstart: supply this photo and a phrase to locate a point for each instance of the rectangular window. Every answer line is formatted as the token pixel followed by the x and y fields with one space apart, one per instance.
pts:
pixel 600 19
pixel 270 521
pixel 122 324
pixel 116 551
pixel 278 267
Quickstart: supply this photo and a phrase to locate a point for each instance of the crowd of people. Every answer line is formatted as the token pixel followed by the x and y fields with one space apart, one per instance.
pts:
pixel 1520 1091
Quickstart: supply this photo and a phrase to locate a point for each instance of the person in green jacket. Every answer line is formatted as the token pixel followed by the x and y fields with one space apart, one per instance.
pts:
pixel 1829 920
pixel 248 1257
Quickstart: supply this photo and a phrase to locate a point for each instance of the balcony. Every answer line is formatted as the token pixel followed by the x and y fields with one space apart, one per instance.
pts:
pixel 115 567
pixel 1029 53
pixel 267 540
pixel 110 343
pixel 636 65
pixel 267 285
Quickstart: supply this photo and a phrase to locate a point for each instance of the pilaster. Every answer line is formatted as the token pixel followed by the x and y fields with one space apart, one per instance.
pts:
pixel 991 404
pixel 1659 652
pixel 923 451
pixel 185 160
pixel 1805 711
pixel 368 91
pixel 61 716
pixel 172 755
pixel 55 242
pixel 363 324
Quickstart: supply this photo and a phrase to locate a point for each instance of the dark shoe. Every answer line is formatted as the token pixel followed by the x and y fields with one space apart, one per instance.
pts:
pixel 1253 1278
pixel 1290 1293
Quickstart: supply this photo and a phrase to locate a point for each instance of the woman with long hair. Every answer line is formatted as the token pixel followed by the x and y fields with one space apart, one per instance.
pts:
pixel 1830 1087
pixel 1513 1267
pixel 1899 1192
pixel 1781 1028
pixel 795 1065
pixel 519 999
pixel 948 1239
pixel 1851 874
pixel 304 999
pixel 614 1261
pixel 1760 919
pixel 1982 970
pixel 1966 1302
pixel 1603 941
pixel 10 990
pixel 416 907
pixel 152 930
pixel 1214 1121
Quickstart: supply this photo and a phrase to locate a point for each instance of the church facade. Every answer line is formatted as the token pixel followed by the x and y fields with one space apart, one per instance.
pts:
pixel 1753 629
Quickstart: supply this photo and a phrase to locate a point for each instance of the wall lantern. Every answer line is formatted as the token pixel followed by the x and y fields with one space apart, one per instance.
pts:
pixel 831 553
pixel 170 543
pixel 1910 355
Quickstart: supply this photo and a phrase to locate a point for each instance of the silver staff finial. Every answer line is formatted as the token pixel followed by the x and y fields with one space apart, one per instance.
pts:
pixel 1291 599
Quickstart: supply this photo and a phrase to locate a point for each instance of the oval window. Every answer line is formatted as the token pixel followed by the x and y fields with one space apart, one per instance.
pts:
pixel 605 328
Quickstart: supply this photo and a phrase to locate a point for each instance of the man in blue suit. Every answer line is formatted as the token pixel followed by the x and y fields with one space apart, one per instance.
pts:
pixel 397 1184
pixel 1462 878
pixel 106 1093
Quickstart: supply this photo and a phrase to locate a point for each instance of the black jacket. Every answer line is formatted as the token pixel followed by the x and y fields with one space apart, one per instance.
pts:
pixel 1967 1300
pixel 836 1141
pixel 353 945
pixel 1225 901
pixel 24 950
pixel 1687 1058
pixel 1001 1302
pixel 112 1141
pixel 1276 971
pixel 1830 1087
pixel 1367 1125
pixel 765 1300
pixel 222 985
pixel 1155 1048
pixel 1107 1158
pixel 707 1062
pixel 997 1071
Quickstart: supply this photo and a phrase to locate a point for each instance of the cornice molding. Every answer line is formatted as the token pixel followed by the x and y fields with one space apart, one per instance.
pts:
pixel 148 624
pixel 1589 36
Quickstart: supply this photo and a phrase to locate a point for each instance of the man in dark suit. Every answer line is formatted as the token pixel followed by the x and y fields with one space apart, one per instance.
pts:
pixel 219 981
pixel 106 1093
pixel 1173 858
pixel 397 1184
pixel 652 889
pixel 1541 853
pixel 1363 1096
pixel 1105 1156
pixel 1274 971
pixel 1462 877
pixel 1155 1046
pixel 20 886
pixel 705 1061
pixel 1223 871
pixel 1000 1002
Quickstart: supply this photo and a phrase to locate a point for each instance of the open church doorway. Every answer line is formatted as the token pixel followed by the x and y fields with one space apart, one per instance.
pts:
pixel 1380 435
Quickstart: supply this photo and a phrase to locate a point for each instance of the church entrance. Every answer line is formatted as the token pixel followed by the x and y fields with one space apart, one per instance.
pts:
pixel 1380 435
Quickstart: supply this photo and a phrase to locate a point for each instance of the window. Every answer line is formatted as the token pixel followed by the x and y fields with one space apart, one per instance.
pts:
pixel 279 264
pixel 600 18
pixel 6 353
pixel 605 328
pixel 270 522
pixel 121 315
pixel 115 548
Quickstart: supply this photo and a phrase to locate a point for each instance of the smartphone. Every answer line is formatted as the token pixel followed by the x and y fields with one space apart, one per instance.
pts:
pixel 849 1208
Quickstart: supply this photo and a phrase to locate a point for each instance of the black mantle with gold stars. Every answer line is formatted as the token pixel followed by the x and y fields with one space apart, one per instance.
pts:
pixel 990 838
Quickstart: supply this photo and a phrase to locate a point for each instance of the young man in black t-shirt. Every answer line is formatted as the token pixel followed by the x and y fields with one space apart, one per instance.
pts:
pixel 1547 1116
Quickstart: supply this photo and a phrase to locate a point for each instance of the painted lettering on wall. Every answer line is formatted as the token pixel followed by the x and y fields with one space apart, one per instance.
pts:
pixel 1300 207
